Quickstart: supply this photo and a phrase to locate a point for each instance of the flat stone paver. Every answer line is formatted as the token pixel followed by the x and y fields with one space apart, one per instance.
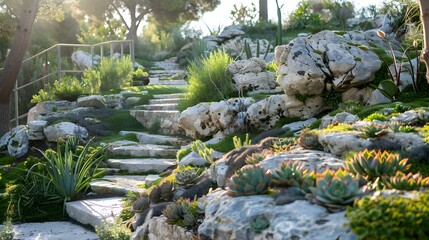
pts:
pixel 95 211
pixel 142 165
pixel 145 150
pixel 148 138
pixel 164 101
pixel 119 185
pixel 52 231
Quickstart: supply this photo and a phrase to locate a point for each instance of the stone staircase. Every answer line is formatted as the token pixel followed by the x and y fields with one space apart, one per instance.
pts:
pixel 134 164
pixel 161 114
pixel 168 73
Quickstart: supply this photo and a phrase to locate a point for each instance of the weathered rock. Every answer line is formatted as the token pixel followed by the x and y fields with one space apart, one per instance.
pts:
pixel 114 101
pixel 251 74
pixel 306 63
pixel 164 121
pixel 231 218
pixel 15 141
pixel 48 107
pixel 63 130
pixel 194 159
pixel 296 126
pixel 157 228
pixel 95 101
pixel 345 117
pixel 406 140
pixel 220 118
pixel 412 117
pixel 340 143
pixel 83 59
pixel 357 95
pixel 313 160
pixel 35 130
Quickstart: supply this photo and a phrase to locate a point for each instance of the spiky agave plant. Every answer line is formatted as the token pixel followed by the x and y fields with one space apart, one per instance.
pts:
pixel 249 180
pixel 290 173
pixel 372 164
pixel 335 190
pixel 408 182
pixel 254 159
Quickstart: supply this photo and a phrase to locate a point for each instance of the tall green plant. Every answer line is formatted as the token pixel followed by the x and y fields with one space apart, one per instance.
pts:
pixel 69 174
pixel 115 73
pixel 208 80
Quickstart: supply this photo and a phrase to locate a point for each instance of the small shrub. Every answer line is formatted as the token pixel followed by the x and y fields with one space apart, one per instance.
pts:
pixel 69 88
pixel 209 73
pixel 375 116
pixel 249 180
pixel 115 73
pixel 43 96
pixel 92 80
pixel 391 217
pixel 113 231
pixel 7 232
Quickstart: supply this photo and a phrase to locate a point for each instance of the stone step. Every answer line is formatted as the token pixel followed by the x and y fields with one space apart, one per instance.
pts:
pixel 147 138
pixel 164 101
pixel 95 211
pixel 110 171
pixel 145 150
pixel 142 165
pixel 167 72
pixel 163 121
pixel 173 82
pixel 161 106
pixel 121 185
pixel 168 96
pixel 52 230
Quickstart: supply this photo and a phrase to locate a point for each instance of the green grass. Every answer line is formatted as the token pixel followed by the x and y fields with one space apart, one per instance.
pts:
pixel 227 144
pixel 153 90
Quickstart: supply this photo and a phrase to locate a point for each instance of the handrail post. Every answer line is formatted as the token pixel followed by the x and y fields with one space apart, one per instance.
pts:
pixel 112 46
pixel 59 62
pixel 16 103
pixel 92 56
pixel 132 52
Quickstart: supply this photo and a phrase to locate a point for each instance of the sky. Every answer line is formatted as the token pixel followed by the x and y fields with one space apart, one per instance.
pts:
pixel 221 15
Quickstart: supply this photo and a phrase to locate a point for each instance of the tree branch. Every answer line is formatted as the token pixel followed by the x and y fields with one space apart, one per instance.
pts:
pixel 424 14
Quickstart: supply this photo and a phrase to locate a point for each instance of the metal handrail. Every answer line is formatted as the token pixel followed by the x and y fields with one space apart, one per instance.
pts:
pixel 61 71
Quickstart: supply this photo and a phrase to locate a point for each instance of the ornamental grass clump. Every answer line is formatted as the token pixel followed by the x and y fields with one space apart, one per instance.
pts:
pixel 335 190
pixel 208 80
pixel 372 164
pixel 407 182
pixel 249 180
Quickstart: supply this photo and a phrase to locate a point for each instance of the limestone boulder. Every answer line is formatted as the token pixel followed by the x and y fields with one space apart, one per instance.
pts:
pixel 340 143
pixel 231 218
pixel 35 129
pixel 157 228
pixel 45 108
pixel 63 130
pixel 95 101
pixel 306 63
pixel 15 142
pixel 218 118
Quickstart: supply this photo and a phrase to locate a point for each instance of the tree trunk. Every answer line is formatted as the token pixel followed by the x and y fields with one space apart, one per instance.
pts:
pixel 263 10
pixel 9 75
pixel 424 11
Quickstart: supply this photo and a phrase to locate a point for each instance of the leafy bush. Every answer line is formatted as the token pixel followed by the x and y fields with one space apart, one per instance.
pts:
pixel 390 218
pixel 115 73
pixel 208 80
pixel 69 88
pixel 7 232
pixel 92 80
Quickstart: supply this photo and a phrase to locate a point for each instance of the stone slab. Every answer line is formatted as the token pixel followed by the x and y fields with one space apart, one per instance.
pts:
pixel 167 96
pixel 164 101
pixel 162 106
pixel 52 230
pixel 118 185
pixel 147 138
pixel 142 165
pixel 95 211
pixel 145 150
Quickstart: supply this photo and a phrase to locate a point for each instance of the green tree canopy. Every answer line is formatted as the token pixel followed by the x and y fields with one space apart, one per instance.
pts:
pixel 133 12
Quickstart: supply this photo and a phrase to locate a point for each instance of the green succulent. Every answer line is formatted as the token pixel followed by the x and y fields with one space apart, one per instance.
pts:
pixel 249 180
pixel 189 219
pixel 373 131
pixel 166 189
pixel 254 159
pixel 407 129
pixel 308 181
pixel 373 164
pixel 259 224
pixel 141 203
pixel 155 195
pixel 290 173
pixel 394 126
pixel 408 182
pixel 173 212
pixel 187 177
pixel 335 189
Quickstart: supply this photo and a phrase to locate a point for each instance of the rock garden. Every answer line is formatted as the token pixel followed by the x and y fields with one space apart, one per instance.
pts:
pixel 234 136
